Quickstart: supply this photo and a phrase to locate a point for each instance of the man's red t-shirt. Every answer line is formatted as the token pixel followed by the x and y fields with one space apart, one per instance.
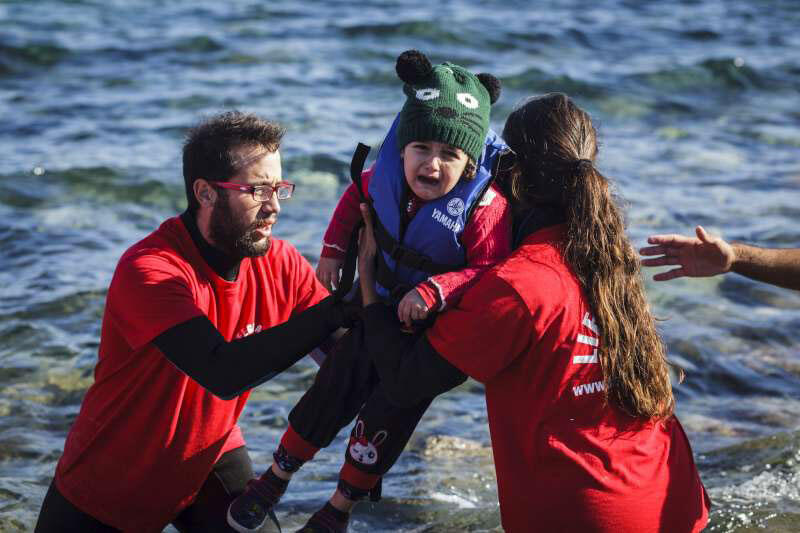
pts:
pixel 147 435
pixel 565 459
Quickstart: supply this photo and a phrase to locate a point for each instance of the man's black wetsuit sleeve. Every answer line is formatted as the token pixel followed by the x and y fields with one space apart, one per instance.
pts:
pixel 227 369
pixel 410 369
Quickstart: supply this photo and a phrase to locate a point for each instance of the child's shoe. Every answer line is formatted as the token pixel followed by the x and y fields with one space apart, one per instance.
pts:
pixel 250 510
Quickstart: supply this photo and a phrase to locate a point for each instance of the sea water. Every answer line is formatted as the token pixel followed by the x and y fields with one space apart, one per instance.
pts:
pixel 699 115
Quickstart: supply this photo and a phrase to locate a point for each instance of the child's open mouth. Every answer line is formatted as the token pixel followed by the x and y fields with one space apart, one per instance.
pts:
pixel 427 181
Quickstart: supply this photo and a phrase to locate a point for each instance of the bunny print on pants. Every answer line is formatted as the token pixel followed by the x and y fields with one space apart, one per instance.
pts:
pixel 363 451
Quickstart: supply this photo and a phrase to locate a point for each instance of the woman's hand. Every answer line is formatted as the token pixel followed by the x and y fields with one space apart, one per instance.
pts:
pixel 412 307
pixel 329 271
pixel 367 249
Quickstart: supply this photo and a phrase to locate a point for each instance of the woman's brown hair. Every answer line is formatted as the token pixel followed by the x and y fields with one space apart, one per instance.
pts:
pixel 555 145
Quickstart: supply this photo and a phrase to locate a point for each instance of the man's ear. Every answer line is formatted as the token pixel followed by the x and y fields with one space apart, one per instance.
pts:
pixel 204 192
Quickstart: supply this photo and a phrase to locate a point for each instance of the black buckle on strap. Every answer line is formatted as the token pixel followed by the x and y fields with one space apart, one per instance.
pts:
pixel 410 258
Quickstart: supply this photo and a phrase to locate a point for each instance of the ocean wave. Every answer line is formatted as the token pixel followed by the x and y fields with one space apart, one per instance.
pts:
pixel 185 49
pixel 726 73
pixel 701 35
pixel 17 58
pixel 428 29
pixel 536 80
pixel 65 306
pixel 755 483
pixel 106 184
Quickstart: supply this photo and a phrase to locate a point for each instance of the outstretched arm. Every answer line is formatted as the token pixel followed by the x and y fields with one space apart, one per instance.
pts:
pixel 778 266
pixel 705 256
pixel 229 368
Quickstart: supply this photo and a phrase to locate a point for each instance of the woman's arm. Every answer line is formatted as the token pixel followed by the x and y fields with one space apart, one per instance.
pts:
pixel 410 370
pixel 487 240
pixel 480 337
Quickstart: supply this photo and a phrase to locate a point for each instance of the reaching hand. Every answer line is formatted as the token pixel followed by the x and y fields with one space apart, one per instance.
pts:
pixel 329 271
pixel 367 249
pixel 698 257
pixel 412 307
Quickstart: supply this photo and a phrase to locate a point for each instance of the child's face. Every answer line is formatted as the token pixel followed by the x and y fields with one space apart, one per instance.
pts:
pixel 432 169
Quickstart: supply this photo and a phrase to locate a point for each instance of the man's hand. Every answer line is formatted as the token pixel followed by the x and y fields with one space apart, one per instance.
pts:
pixel 367 249
pixel 329 271
pixel 412 307
pixel 698 257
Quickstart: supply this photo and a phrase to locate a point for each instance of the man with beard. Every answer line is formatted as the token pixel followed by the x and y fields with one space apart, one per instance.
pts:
pixel 203 309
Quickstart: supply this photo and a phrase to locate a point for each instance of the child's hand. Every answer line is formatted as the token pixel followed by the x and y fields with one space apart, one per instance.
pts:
pixel 412 307
pixel 329 271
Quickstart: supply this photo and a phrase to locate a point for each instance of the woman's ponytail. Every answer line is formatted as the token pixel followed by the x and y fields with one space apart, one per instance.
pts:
pixel 555 144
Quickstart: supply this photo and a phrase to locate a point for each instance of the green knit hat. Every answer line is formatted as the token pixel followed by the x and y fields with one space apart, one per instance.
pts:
pixel 446 104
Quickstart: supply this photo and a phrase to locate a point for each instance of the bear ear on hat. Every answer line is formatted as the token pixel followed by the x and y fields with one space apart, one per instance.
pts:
pixel 413 67
pixel 492 85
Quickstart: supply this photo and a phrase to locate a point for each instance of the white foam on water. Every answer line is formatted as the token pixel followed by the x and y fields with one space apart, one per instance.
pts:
pixel 315 184
pixel 462 502
pixel 766 487
pixel 71 216
pixel 719 157
pixel 318 178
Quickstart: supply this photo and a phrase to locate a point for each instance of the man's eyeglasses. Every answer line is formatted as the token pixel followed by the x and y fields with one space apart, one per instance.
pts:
pixel 261 193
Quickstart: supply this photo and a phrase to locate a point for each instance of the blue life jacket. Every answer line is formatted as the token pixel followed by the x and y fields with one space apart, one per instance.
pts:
pixel 435 231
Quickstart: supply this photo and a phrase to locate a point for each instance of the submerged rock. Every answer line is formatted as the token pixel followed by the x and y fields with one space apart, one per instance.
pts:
pixel 450 446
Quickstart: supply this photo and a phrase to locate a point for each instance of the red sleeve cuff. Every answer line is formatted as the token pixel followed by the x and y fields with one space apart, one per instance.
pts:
pixel 429 294
pixel 332 252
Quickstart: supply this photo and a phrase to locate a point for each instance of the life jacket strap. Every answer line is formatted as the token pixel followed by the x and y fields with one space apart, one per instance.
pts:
pixel 404 255
pixel 349 266
pixel 357 167
pixel 401 254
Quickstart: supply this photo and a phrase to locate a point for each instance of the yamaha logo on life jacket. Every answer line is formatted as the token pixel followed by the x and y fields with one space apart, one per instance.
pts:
pixel 446 221
pixel 435 231
pixel 455 207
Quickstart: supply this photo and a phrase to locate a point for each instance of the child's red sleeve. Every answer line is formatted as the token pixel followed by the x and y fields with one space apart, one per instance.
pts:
pixel 487 239
pixel 345 217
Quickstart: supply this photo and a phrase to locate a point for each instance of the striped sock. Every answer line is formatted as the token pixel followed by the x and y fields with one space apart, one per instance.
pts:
pixel 329 519
pixel 269 487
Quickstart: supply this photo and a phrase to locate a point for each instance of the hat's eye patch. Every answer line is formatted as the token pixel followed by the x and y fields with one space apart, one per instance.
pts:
pixel 427 94
pixel 467 100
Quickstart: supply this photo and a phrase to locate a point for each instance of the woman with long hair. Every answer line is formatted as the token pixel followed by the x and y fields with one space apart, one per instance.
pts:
pixel 577 382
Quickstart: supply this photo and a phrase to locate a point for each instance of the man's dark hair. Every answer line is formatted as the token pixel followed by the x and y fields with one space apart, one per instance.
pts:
pixel 209 150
